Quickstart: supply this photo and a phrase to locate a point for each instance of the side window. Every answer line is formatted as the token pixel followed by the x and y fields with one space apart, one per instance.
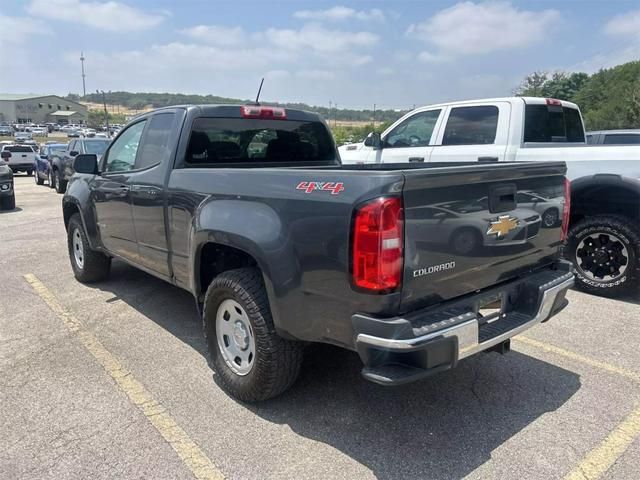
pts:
pixel 622 139
pixel 155 145
pixel 415 131
pixel 122 154
pixel 72 146
pixel 471 126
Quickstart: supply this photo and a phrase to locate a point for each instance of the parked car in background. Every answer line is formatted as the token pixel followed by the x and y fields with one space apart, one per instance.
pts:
pixel 614 137
pixel 20 158
pixel 42 166
pixel 6 131
pixel 62 162
pixel 74 133
pixel 604 240
pixel 40 131
pixel 7 193
pixel 22 136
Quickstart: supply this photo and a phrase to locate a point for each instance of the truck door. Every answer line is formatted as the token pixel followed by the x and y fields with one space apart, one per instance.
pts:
pixel 147 191
pixel 111 194
pixel 476 132
pixel 411 140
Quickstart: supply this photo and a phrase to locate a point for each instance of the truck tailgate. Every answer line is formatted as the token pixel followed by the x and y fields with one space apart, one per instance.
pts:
pixel 469 227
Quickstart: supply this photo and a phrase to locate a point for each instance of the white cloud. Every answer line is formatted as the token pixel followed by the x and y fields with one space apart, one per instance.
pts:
pixel 216 34
pixel 428 57
pixel 16 30
pixel 319 39
pixel 111 16
pixel 469 28
pixel 340 13
pixel 626 24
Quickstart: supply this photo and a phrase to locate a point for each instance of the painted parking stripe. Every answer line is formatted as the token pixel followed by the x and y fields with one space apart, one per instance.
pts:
pixel 592 362
pixel 189 452
pixel 601 458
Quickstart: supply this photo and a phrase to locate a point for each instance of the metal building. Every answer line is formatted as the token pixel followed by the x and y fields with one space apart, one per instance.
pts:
pixel 18 108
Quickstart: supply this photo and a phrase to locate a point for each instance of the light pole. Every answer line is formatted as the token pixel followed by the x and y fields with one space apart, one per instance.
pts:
pixel 84 87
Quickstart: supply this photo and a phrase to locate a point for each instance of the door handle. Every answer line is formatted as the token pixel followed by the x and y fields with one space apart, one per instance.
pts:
pixel 416 159
pixel 488 159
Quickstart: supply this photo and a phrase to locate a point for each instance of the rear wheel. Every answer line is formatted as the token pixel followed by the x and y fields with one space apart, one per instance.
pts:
pixel 52 179
pixel 29 173
pixel 38 179
pixel 251 360
pixel 605 250
pixel 88 265
pixel 60 184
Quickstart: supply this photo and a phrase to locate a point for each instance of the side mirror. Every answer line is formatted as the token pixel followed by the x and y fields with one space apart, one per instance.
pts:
pixel 73 153
pixel 86 163
pixel 5 155
pixel 373 140
pixel 43 156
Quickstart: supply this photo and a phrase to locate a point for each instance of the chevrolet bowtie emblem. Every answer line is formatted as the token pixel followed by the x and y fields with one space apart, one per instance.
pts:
pixel 503 226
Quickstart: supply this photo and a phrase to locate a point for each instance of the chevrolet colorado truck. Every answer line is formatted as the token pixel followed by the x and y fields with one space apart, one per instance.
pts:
pixel 604 236
pixel 250 210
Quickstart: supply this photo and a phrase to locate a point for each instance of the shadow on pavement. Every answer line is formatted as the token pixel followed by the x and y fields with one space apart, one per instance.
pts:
pixel 17 209
pixel 444 427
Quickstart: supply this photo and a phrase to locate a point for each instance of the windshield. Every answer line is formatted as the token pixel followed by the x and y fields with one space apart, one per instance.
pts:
pixel 251 141
pixel 96 148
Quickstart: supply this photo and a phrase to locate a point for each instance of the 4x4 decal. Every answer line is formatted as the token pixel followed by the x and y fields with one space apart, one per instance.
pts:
pixel 334 187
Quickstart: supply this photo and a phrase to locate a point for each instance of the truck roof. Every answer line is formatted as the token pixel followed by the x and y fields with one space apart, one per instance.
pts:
pixel 233 111
pixel 527 100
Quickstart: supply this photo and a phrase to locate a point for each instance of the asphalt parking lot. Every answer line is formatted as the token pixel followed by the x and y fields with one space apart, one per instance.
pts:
pixel 111 381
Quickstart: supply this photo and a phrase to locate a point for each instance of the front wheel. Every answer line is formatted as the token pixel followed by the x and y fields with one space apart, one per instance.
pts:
pixel 605 250
pixel 8 203
pixel 88 265
pixel 38 179
pixel 29 173
pixel 251 360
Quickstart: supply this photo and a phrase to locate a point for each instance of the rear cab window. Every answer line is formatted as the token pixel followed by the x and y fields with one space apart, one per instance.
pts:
pixel 622 139
pixel 255 142
pixel 19 149
pixel 555 123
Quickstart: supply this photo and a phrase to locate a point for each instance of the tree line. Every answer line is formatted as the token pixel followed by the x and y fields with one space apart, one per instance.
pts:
pixel 608 99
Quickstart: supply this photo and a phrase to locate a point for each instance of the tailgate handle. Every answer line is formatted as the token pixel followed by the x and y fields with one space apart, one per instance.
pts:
pixel 502 198
pixel 416 159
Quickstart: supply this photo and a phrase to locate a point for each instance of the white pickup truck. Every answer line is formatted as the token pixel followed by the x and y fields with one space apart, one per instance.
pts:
pixel 604 240
pixel 20 158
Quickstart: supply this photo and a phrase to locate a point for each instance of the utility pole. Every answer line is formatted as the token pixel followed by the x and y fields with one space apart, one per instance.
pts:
pixel 106 114
pixel 335 116
pixel 84 86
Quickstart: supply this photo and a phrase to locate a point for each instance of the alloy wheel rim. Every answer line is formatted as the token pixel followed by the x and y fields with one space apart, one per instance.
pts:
pixel 235 337
pixel 78 248
pixel 602 257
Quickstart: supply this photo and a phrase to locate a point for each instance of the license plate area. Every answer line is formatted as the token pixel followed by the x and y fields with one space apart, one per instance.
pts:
pixel 490 308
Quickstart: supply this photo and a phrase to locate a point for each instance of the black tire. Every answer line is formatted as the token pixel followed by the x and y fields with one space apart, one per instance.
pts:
pixel 39 181
pixel 29 173
pixel 95 265
pixel 594 241
pixel 52 179
pixel 277 361
pixel 8 203
pixel 60 184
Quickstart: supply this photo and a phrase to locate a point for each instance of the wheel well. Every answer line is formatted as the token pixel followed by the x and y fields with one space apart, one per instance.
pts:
pixel 216 258
pixel 68 209
pixel 598 199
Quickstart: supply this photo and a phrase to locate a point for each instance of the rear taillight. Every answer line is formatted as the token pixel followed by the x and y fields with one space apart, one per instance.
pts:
pixel 566 211
pixel 378 245
pixel 265 113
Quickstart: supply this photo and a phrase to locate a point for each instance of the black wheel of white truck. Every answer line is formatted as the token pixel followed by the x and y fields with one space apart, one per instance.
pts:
pixel 605 251
pixel 88 265
pixel 252 362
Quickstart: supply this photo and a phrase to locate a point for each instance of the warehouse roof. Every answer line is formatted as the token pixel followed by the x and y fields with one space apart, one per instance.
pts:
pixel 31 96
pixel 63 113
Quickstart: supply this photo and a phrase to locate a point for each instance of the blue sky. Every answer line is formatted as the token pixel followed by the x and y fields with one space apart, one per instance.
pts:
pixel 392 53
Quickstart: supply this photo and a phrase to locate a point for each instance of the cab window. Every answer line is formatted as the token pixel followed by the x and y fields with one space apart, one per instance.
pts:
pixel 415 131
pixel 122 154
pixel 471 126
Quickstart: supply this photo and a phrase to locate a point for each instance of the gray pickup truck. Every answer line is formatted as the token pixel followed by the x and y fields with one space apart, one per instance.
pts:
pixel 249 208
